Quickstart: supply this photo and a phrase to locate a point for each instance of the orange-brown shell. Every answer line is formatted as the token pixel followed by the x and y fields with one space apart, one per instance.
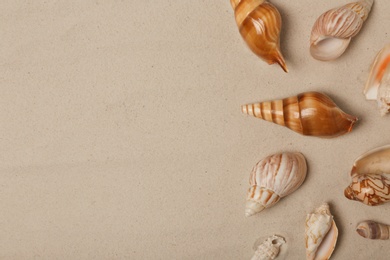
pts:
pixel 259 23
pixel 309 113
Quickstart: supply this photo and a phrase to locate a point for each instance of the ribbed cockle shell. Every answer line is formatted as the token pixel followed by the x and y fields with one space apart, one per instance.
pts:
pixel 371 177
pixel 378 83
pixel 333 30
pixel 269 249
pixel 373 230
pixel 309 113
pixel 273 178
pixel 320 234
pixel 259 23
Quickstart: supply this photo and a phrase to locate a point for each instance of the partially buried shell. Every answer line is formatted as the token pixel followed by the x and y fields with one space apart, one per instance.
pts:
pixel 259 23
pixel 333 30
pixel 371 178
pixel 320 234
pixel 373 230
pixel 378 83
pixel 273 178
pixel 269 249
pixel 309 113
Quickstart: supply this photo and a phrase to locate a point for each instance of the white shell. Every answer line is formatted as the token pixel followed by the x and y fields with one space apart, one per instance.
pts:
pixel 272 178
pixel 269 249
pixel 378 83
pixel 320 234
pixel 333 30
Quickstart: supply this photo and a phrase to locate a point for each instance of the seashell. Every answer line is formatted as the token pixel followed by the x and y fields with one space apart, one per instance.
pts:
pixel 309 113
pixel 373 230
pixel 273 178
pixel 371 177
pixel 378 83
pixel 269 249
pixel 259 23
pixel 333 30
pixel 320 234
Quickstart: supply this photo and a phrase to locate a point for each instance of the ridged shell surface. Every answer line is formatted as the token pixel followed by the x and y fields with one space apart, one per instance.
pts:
pixel 272 178
pixel 320 234
pixel 373 230
pixel 371 178
pixel 378 83
pixel 259 23
pixel 333 30
pixel 269 249
pixel 309 113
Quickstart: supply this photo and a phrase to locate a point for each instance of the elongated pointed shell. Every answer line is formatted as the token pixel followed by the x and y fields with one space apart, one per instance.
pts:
pixel 259 23
pixel 269 249
pixel 371 178
pixel 373 230
pixel 309 113
pixel 333 30
pixel 273 178
pixel 378 83
pixel 320 234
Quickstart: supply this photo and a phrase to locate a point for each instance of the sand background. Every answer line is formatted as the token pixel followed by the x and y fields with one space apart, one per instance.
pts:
pixel 121 135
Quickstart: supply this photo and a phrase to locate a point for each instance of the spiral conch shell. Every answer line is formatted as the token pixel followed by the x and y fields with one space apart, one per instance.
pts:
pixel 378 84
pixel 269 249
pixel 320 234
pixel 259 23
pixel 373 230
pixel 273 178
pixel 309 113
pixel 333 30
pixel 371 177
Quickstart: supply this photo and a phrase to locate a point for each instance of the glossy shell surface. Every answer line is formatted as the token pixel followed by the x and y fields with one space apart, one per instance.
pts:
pixel 371 178
pixel 309 113
pixel 259 23
pixel 373 230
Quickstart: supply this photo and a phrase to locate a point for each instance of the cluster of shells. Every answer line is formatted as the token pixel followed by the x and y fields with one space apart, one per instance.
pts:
pixel 314 114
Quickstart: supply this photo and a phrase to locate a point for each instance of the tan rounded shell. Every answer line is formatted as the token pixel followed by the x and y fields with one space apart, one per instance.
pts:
pixel 333 30
pixel 371 178
pixel 309 113
pixel 373 230
pixel 272 178
pixel 259 23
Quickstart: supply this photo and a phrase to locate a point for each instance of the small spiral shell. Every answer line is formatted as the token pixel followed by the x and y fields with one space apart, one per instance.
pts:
pixel 259 23
pixel 373 230
pixel 269 249
pixel 309 113
pixel 333 30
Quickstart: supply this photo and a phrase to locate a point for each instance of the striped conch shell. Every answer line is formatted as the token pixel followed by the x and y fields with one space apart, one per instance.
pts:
pixel 334 29
pixel 320 234
pixel 273 178
pixel 269 249
pixel 259 23
pixel 309 113
pixel 378 83
pixel 371 177
pixel 373 230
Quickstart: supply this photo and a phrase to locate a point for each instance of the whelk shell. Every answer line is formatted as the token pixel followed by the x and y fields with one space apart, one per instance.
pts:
pixel 333 30
pixel 273 178
pixel 259 23
pixel 378 83
pixel 269 249
pixel 373 230
pixel 309 113
pixel 371 177
pixel 320 234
